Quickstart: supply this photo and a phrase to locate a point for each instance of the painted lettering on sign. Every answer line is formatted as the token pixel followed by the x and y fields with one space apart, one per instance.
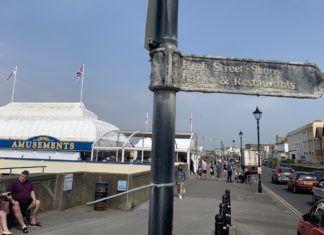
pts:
pixel 172 70
pixel 42 142
pixel 219 74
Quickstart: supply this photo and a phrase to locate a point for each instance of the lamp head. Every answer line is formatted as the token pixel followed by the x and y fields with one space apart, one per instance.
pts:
pixel 241 134
pixel 257 113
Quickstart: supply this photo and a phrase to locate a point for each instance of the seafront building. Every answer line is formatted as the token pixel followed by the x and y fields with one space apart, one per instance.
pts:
pixel 306 143
pixel 63 131
pixel 69 131
pixel 281 149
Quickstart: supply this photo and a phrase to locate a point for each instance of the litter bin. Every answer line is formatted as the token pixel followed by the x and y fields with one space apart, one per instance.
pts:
pixel 101 192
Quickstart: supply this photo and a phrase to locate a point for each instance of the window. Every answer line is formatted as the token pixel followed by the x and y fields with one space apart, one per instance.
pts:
pixel 306 177
pixel 318 215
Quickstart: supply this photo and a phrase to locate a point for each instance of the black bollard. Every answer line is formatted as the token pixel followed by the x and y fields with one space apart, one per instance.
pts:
pixel 228 197
pixel 224 199
pixel 228 194
pixel 219 224
pixel 223 211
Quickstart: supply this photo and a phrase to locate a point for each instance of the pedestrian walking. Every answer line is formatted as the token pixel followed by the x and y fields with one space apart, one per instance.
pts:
pixel 211 170
pixel 235 170
pixel 199 168
pixel 204 167
pixel 229 169
pixel 219 169
pixel 192 171
pixel 224 168
pixel 180 178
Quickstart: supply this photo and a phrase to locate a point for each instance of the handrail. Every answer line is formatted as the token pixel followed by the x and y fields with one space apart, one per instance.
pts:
pixel 11 168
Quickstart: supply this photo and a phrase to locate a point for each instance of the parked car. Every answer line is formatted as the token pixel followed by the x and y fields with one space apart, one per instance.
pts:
pixel 319 174
pixel 302 181
pixel 281 174
pixel 318 191
pixel 312 223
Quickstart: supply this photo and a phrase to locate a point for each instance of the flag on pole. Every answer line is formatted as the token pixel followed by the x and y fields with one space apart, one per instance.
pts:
pixel 79 74
pixel 12 74
pixel 146 118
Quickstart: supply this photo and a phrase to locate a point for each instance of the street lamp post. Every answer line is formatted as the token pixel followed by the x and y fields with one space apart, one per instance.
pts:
pixel 257 115
pixel 241 160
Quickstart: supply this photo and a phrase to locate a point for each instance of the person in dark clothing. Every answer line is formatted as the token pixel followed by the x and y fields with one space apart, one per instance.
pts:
pixel 24 200
pixel 229 172
pixel 192 171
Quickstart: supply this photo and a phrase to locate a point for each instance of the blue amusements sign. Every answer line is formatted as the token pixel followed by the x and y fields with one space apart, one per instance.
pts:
pixel 45 143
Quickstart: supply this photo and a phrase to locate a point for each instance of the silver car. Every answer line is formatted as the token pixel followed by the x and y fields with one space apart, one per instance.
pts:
pixel 318 191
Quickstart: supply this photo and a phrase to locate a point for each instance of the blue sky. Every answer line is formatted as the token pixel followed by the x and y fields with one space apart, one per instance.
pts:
pixel 49 40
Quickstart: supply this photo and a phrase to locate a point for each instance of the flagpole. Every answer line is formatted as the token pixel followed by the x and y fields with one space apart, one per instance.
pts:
pixel 14 84
pixel 82 75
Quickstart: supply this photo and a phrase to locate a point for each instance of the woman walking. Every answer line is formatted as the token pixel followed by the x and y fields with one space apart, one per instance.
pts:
pixel 180 178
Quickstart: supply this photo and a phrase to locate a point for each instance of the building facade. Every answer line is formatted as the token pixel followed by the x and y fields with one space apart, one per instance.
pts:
pixel 61 131
pixel 305 143
pixel 281 151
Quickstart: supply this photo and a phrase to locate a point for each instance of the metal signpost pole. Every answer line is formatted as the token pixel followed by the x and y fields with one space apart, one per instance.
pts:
pixel 161 41
pixel 171 72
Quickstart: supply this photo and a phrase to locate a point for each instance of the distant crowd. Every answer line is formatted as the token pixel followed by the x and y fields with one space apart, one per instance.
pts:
pixel 219 168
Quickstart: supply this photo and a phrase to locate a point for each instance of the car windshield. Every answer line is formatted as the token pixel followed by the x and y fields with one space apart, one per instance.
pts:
pixel 306 177
pixel 319 174
pixel 285 170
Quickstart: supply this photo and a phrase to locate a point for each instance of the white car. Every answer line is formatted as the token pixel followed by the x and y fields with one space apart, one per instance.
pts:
pixel 318 191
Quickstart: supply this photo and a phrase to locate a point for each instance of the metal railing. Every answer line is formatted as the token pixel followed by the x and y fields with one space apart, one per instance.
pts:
pixel 22 167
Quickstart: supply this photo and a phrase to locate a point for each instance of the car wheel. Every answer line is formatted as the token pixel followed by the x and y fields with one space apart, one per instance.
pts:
pixel 294 189
pixel 272 180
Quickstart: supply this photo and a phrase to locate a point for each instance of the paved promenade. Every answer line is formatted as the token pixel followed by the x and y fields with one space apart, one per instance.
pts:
pixel 252 214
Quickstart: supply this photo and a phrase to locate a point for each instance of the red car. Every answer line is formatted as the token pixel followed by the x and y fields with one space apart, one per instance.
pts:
pixel 312 223
pixel 302 181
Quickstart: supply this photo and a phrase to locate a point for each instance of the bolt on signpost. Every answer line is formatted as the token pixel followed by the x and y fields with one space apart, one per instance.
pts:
pixel 172 71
